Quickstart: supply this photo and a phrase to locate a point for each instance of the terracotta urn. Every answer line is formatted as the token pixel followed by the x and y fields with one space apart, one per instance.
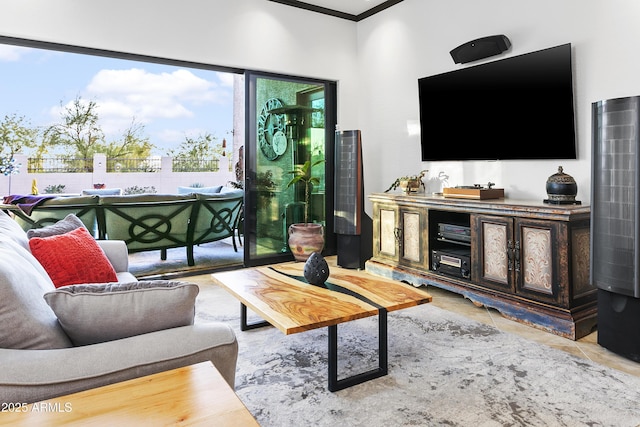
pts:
pixel 305 239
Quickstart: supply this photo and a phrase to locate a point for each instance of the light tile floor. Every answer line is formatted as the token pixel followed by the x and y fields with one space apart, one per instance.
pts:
pixel 586 347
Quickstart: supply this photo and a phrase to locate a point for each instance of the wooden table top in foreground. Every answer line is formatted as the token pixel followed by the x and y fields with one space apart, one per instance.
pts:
pixel 294 306
pixel 195 395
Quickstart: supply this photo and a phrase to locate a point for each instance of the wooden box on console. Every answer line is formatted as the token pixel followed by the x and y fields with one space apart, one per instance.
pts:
pixel 473 193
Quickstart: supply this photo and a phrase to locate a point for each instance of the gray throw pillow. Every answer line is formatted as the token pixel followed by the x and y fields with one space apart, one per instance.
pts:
pixel 26 320
pixel 65 225
pixel 11 230
pixel 94 313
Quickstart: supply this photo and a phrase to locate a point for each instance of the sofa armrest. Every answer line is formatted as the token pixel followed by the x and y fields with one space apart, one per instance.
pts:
pixel 34 375
pixel 117 253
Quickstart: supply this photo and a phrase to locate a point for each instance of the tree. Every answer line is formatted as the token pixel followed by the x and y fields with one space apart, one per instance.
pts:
pixel 194 154
pixel 15 135
pixel 79 133
pixel 132 145
pixel 202 147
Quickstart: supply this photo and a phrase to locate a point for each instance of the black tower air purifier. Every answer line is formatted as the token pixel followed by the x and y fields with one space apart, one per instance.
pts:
pixel 615 223
pixel 353 228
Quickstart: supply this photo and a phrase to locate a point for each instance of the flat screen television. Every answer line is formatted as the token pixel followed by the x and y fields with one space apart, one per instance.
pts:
pixel 515 108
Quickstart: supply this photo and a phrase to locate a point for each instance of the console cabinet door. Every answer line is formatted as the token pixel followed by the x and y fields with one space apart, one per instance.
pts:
pixel 386 225
pixel 542 261
pixel 413 237
pixel 400 235
pixel 525 257
pixel 492 253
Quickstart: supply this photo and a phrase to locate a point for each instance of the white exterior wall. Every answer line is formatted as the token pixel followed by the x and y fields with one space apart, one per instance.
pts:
pixel 165 181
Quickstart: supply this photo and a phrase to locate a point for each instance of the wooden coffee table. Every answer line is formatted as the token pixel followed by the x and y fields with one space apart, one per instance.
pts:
pixel 195 395
pixel 282 297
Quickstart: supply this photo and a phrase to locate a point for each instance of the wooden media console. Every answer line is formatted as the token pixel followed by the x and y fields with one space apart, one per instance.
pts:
pixel 527 259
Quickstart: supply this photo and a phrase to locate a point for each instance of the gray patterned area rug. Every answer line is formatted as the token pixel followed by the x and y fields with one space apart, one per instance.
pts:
pixel 444 369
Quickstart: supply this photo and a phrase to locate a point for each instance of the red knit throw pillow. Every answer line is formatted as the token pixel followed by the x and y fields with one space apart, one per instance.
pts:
pixel 73 258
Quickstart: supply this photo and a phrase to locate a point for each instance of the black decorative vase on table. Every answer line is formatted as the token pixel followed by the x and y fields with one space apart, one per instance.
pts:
pixel 316 269
pixel 561 189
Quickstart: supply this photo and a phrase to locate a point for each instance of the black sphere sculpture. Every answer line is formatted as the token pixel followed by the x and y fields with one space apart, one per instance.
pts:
pixel 316 269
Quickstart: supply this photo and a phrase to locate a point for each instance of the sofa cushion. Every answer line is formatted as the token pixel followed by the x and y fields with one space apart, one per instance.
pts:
pixel 145 198
pixel 72 258
pixel 68 223
pixel 72 201
pixel 200 190
pixel 232 192
pixel 102 192
pixel 54 209
pixel 11 230
pixel 27 321
pixel 96 313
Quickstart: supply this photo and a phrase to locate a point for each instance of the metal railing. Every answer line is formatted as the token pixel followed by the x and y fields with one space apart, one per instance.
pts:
pixel 196 165
pixel 59 164
pixel 134 165
pixel 62 164
pixel 72 175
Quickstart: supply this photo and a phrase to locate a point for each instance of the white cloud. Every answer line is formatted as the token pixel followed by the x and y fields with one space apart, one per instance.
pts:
pixel 124 94
pixel 9 53
pixel 160 101
pixel 170 135
pixel 226 79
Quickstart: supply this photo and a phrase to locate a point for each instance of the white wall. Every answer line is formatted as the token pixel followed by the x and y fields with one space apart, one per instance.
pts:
pixel 413 40
pixel 376 62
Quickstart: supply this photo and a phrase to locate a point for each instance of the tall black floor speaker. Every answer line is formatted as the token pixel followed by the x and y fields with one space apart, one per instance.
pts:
pixel 615 223
pixel 353 228
pixel 619 324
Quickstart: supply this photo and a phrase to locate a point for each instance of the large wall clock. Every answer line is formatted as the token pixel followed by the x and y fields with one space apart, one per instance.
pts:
pixel 268 125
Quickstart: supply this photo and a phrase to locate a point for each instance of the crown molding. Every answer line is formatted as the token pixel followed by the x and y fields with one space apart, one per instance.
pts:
pixel 336 13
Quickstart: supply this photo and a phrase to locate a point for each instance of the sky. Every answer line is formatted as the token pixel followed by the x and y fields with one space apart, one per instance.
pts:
pixel 171 102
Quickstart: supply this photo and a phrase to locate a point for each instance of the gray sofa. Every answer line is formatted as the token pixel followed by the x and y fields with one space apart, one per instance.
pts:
pixel 38 356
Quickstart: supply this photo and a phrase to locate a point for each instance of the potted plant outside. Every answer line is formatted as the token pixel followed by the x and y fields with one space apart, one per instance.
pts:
pixel 265 186
pixel 306 237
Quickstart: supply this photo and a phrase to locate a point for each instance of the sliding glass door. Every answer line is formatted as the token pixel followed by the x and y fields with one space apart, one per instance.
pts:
pixel 290 121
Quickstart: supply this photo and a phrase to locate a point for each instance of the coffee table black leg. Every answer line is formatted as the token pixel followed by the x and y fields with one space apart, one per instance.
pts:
pixel 243 320
pixel 336 384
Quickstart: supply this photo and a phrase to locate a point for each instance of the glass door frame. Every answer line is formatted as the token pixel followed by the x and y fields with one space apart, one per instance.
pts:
pixel 251 150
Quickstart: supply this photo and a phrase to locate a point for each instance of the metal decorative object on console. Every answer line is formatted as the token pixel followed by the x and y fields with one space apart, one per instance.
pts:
pixel 561 189
pixel 409 184
pixel 316 269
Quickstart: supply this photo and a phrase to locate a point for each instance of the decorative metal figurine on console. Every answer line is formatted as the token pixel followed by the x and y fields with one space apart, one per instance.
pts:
pixel 316 269
pixel 409 184
pixel 561 189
